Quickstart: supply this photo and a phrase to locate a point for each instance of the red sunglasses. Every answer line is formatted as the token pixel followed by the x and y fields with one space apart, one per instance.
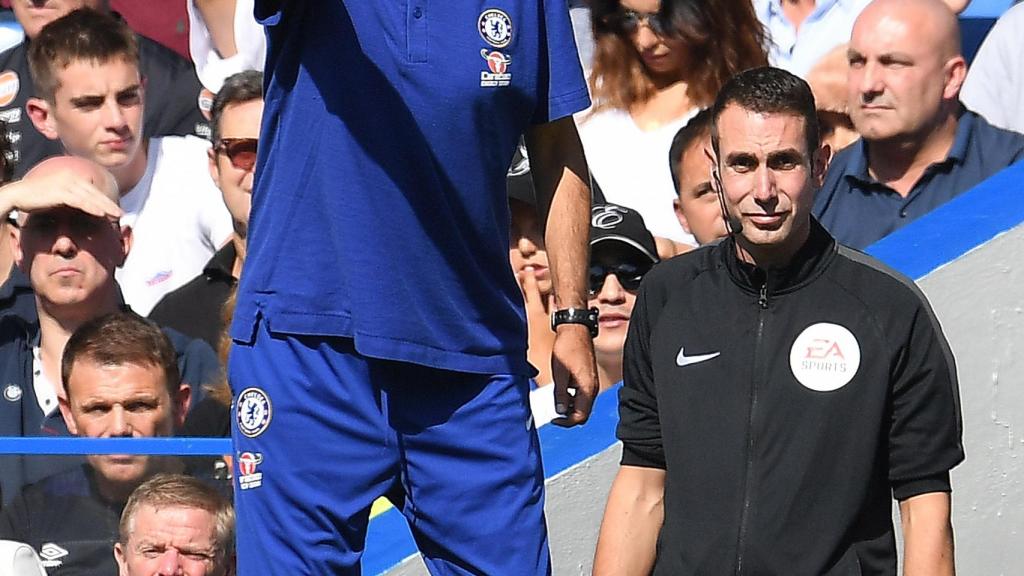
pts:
pixel 240 151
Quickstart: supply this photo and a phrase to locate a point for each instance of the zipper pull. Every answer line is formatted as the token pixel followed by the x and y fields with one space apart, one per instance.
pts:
pixel 762 300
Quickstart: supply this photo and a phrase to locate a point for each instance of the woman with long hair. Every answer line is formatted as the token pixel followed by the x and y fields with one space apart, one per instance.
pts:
pixel 656 63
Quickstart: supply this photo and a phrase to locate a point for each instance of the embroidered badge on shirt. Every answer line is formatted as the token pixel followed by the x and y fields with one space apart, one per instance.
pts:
pixel 497 64
pixel 495 27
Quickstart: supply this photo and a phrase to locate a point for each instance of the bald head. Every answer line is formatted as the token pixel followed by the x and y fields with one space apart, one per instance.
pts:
pixel 928 21
pixel 97 175
pixel 905 71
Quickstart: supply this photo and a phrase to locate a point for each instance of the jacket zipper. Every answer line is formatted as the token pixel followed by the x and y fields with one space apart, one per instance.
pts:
pixel 762 305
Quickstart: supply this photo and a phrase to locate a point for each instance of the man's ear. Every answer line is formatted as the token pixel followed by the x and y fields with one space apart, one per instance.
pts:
pixel 65 411
pixel 15 246
pixel 678 207
pixel 822 158
pixel 119 557
pixel 180 403
pixel 127 237
pixel 41 113
pixel 211 155
pixel 955 71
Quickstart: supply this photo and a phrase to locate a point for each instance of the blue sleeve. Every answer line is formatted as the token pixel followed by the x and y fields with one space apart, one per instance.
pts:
pixel 563 89
pixel 268 12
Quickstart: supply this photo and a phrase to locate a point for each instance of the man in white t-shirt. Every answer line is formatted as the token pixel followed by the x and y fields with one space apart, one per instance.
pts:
pixel 91 99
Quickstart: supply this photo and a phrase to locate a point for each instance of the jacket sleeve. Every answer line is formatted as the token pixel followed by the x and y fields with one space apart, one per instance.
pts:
pixel 925 426
pixel 639 425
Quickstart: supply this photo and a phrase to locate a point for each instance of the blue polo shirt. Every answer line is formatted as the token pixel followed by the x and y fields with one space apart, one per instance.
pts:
pixel 858 210
pixel 379 209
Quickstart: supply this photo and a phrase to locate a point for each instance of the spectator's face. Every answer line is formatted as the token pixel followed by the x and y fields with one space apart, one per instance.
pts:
pixel 170 541
pixel 127 400
pixel 768 176
pixel 697 206
pixel 526 245
pixel 897 80
pixel 97 111
pixel 615 273
pixel 70 257
pixel 662 55
pixel 34 14
pixel 239 129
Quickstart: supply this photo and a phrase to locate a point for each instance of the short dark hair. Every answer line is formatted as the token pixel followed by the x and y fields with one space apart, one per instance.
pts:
pixel 79 35
pixel 698 127
pixel 121 338
pixel 239 88
pixel 769 90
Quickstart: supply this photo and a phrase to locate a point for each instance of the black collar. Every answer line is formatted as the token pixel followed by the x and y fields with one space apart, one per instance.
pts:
pixel 809 261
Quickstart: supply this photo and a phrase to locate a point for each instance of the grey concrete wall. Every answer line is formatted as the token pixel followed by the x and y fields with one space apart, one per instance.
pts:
pixel 979 299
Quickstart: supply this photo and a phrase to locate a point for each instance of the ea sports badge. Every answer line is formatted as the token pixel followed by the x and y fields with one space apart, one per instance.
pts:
pixel 495 27
pixel 253 412
pixel 824 357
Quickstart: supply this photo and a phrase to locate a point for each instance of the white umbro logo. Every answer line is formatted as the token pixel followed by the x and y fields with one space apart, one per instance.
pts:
pixel 50 554
pixel 683 360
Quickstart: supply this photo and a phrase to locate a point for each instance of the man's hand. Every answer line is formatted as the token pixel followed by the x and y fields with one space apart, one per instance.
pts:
pixel 57 188
pixel 575 373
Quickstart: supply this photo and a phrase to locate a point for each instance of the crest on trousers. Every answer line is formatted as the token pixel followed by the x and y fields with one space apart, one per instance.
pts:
pixel 253 412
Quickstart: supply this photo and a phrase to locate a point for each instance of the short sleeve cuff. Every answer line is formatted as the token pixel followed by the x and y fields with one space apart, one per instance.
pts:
pixel 903 489
pixel 636 456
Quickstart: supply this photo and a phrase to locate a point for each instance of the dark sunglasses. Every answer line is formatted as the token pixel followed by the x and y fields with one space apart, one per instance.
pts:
pixel 240 151
pixel 628 274
pixel 626 22
pixel 77 225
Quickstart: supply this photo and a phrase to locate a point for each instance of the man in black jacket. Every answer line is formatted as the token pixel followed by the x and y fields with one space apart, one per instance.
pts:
pixel 780 389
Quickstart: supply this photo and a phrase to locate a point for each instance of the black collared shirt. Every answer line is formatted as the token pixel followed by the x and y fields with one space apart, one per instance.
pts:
pixel 195 309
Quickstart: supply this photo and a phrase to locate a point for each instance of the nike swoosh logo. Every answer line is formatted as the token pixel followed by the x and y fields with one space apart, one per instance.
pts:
pixel 683 360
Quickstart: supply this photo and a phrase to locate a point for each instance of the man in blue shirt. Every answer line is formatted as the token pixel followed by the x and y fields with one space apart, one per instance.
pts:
pixel 919 147
pixel 379 335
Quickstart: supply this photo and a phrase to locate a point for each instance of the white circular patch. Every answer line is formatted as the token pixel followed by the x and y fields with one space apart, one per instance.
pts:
pixel 12 392
pixel 495 27
pixel 825 357
pixel 253 412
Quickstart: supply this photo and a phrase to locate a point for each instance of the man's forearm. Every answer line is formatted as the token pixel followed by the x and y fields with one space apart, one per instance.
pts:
pixel 561 182
pixel 632 522
pixel 927 535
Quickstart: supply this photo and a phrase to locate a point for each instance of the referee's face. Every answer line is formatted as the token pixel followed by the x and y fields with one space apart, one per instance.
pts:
pixel 768 179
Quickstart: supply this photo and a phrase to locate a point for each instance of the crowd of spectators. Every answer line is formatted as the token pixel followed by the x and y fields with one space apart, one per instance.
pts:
pixel 128 173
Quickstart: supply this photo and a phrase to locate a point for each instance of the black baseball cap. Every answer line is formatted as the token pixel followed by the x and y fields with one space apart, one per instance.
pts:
pixel 614 223
pixel 519 181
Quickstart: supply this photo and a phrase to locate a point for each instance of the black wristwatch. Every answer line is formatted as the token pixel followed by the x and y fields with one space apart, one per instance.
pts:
pixel 576 316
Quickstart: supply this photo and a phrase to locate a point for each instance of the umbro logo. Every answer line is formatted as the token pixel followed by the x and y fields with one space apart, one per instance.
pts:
pixel 683 360
pixel 51 554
